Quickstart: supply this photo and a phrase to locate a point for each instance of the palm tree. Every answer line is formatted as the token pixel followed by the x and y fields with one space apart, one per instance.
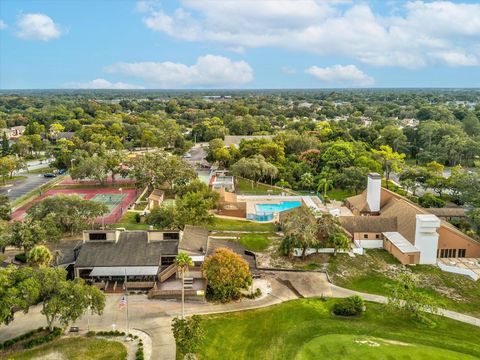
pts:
pixel 183 261
pixel 323 186
pixel 39 256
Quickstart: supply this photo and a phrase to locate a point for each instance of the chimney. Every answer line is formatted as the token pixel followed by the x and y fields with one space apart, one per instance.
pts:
pixel 374 189
pixel 426 237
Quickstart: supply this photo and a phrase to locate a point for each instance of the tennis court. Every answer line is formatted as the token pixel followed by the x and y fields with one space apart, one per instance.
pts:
pixel 117 201
pixel 111 200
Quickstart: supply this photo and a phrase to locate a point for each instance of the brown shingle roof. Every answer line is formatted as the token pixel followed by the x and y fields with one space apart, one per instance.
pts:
pixel 447 212
pixel 194 240
pixel 372 224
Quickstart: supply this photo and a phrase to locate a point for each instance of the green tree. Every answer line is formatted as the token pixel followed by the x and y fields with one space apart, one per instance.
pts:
pixel 339 241
pixel 183 261
pixel 406 297
pixel 474 216
pixel 5 209
pixel 30 232
pixel 163 217
pixel 301 224
pixel 69 213
pixel 307 180
pixel 156 169
pixel 188 333
pixel 94 167
pixel 323 186
pixel 64 300
pixel 5 144
pixel 391 160
pixel 39 256
pixel 19 289
pixel 113 163
pixel 352 178
pixel 227 274
pixel 193 209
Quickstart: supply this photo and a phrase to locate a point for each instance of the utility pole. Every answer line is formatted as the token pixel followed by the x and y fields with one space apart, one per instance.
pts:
pixel 126 301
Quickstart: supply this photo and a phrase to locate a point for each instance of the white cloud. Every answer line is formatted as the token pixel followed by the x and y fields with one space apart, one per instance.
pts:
pixel 37 27
pixel 413 37
pixel 208 71
pixel 101 84
pixel 288 70
pixel 341 75
pixel 3 25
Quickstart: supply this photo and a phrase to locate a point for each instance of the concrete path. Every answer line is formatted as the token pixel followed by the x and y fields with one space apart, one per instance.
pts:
pixel 154 316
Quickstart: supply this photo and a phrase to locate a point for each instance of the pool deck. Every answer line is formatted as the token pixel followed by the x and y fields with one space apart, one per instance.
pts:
pixel 313 202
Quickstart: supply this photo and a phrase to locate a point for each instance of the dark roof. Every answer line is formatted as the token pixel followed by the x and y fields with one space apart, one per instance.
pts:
pixel 447 212
pixel 194 240
pixel 131 249
pixel 371 224
pixel 67 249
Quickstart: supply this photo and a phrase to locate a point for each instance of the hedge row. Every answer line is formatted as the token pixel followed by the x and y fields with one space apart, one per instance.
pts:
pixel 139 354
pixel 34 342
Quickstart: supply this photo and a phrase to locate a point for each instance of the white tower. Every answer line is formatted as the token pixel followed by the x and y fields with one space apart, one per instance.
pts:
pixel 374 190
pixel 426 237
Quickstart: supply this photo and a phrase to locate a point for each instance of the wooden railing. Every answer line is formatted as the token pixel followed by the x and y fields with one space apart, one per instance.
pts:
pixel 167 273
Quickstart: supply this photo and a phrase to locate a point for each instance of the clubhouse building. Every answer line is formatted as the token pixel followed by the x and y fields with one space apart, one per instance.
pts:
pixel 414 235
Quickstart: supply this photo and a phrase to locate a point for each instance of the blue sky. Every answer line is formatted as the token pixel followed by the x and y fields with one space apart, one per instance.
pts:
pixel 238 44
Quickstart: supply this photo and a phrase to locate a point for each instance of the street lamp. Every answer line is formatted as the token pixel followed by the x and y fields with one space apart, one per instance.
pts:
pixel 71 162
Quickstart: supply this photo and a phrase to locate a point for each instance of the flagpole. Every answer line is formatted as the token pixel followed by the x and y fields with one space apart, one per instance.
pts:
pixel 126 300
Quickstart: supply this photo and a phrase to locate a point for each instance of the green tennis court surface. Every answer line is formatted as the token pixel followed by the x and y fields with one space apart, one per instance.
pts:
pixel 111 200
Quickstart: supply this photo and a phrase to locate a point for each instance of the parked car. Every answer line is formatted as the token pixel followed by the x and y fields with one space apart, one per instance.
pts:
pixel 49 175
pixel 61 171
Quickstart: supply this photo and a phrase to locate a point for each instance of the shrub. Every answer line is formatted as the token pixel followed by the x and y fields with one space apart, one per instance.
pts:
pixel 111 333
pixel 42 340
pixel 91 333
pixel 22 337
pixel 429 200
pixel 21 257
pixel 227 273
pixel 138 218
pixel 350 306
pixel 139 353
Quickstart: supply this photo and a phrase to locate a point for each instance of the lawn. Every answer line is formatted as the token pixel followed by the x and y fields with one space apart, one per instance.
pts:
pixel 339 194
pixel 75 349
pixel 305 329
pixel 128 222
pixel 244 186
pixel 375 273
pixel 255 242
pixel 220 224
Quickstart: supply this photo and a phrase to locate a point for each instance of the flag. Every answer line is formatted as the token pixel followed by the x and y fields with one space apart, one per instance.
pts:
pixel 123 302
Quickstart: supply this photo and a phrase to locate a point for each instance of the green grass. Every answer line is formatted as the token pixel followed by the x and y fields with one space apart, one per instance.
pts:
pixel 43 170
pixel 255 242
pixel 244 186
pixel 221 224
pixel 364 347
pixel 292 330
pixel 128 222
pixel 375 273
pixel 76 349
pixel 339 194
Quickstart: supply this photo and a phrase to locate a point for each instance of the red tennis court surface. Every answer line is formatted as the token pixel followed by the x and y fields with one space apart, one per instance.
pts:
pixel 113 217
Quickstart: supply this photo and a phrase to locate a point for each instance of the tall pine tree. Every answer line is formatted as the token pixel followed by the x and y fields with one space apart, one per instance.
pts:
pixel 5 145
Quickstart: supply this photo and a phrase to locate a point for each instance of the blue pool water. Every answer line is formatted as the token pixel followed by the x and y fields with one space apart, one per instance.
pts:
pixel 274 208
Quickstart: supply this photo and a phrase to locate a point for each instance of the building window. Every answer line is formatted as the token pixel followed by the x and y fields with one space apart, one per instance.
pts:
pixel 98 236
pixel 365 236
pixel 377 236
pixel 462 253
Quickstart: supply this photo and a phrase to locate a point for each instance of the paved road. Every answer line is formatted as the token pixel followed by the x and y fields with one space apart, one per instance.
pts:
pixel 22 187
pixel 197 154
pixel 154 316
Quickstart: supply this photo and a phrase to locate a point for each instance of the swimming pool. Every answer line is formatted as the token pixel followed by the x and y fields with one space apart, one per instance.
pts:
pixel 275 208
